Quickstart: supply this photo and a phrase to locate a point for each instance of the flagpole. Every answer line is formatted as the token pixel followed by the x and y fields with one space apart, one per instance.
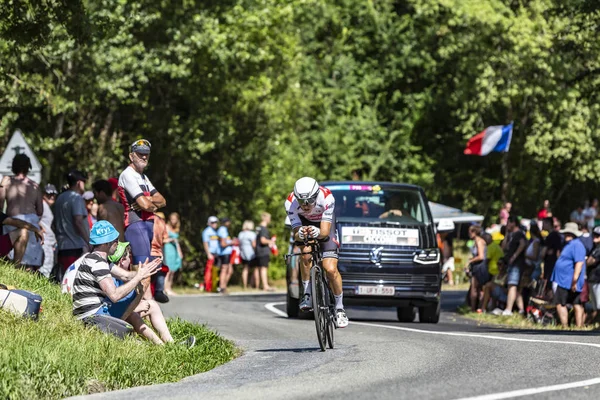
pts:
pixel 506 172
pixel 505 177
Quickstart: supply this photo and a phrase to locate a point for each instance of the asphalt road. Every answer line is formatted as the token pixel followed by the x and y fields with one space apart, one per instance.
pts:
pixel 379 358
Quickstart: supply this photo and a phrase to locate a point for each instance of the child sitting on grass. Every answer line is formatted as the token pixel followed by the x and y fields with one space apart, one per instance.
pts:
pixel 142 306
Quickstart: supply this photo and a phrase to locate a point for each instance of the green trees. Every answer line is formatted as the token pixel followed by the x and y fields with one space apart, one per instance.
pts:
pixel 239 98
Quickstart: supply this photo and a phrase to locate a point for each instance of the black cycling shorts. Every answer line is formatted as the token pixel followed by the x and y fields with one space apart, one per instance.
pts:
pixel 330 246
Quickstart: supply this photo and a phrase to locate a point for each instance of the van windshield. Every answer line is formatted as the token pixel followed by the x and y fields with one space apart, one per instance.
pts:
pixel 379 203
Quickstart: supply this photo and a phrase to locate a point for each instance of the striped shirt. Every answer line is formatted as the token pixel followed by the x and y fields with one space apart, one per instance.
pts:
pixel 88 297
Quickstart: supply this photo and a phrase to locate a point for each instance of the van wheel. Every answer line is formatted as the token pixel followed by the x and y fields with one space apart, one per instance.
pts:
pixel 430 314
pixel 406 314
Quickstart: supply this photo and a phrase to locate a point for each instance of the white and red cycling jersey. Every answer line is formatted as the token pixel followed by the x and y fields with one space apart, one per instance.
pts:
pixel 323 209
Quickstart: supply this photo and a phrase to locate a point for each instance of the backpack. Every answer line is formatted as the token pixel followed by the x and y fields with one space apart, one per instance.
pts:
pixel 21 302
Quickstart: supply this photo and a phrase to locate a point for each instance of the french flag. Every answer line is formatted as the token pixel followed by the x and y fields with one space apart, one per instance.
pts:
pixel 494 138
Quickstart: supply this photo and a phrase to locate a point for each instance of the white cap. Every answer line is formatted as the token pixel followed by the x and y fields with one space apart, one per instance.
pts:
pixel 212 219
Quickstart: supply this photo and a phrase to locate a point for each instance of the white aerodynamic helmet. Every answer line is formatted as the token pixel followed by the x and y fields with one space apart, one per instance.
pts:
pixel 306 190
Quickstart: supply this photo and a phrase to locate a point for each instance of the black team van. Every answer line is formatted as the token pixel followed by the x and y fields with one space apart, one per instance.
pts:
pixel 388 250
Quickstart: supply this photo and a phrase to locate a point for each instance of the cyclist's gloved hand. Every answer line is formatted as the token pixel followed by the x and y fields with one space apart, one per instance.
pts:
pixel 302 233
pixel 314 232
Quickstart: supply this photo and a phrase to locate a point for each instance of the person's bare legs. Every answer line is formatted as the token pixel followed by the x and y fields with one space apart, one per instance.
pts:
pixel 487 294
pixel 264 278
pixel 519 301
pixel 474 294
pixel 255 274
pixel 135 302
pixel 230 273
pixel 142 329
pixel 19 238
pixel 150 308
pixel 511 297
pixel 579 314
pixel 245 276
pixel 169 283
pixel 224 276
pixel 563 315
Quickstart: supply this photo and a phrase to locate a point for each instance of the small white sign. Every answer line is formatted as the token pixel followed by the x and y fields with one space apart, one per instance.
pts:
pixel 380 236
pixel 18 145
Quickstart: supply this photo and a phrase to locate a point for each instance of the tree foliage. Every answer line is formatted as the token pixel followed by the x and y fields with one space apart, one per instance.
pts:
pixel 241 97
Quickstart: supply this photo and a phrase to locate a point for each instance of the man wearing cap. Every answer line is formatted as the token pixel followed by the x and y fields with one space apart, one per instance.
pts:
pixel 49 245
pixel 93 293
pixel 569 276
pixel 70 220
pixel 141 200
pixel 109 209
pixel 225 249
pixel 210 241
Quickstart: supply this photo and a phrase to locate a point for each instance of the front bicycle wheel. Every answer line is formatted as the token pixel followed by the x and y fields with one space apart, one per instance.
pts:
pixel 331 314
pixel 319 307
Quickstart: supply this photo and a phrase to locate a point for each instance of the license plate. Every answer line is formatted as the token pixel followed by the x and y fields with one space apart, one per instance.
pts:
pixel 376 290
pixel 380 236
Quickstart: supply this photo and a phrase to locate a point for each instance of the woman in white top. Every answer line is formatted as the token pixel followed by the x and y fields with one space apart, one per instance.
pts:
pixel 247 238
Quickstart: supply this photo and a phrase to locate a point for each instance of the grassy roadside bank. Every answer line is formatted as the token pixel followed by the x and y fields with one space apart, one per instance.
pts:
pixel 57 356
pixel 515 321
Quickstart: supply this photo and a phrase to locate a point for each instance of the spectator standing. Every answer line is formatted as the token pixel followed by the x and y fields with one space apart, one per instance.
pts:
pixel 577 215
pixel 589 215
pixel 552 247
pixel 109 209
pixel 70 220
pixel 593 274
pixel 586 239
pixel 569 276
pixel 494 255
pixel 210 241
pixel 49 245
pixel 477 265
pixel 247 238
pixel 544 211
pixel 158 241
pixel 141 200
pixel 114 184
pixel 24 201
pixel 505 213
pixel 225 250
pixel 263 249
pixel 88 197
pixel 172 251
pixel 514 245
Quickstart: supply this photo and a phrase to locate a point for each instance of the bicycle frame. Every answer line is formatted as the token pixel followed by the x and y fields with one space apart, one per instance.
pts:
pixel 323 299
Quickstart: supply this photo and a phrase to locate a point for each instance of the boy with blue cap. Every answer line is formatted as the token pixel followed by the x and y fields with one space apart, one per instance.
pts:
pixel 92 289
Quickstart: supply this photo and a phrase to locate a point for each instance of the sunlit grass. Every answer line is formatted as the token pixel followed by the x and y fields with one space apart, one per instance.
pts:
pixel 57 356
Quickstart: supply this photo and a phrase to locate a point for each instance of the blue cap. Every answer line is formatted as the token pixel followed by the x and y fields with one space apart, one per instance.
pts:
pixel 103 232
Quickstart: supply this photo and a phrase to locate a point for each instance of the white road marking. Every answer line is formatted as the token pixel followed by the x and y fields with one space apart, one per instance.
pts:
pixel 528 392
pixel 494 396
pixel 271 307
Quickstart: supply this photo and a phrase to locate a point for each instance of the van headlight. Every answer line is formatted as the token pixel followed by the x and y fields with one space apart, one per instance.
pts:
pixel 427 256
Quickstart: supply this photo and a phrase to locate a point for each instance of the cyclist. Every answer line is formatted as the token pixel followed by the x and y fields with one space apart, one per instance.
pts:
pixel 310 209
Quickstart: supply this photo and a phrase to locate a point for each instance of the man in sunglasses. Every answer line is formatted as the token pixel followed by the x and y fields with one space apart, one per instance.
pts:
pixel 310 208
pixel 140 199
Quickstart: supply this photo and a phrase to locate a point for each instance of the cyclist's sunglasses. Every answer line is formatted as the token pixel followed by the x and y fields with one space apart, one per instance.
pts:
pixel 308 202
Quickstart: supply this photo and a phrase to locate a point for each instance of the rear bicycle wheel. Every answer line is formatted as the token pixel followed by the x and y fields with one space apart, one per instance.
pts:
pixel 319 308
